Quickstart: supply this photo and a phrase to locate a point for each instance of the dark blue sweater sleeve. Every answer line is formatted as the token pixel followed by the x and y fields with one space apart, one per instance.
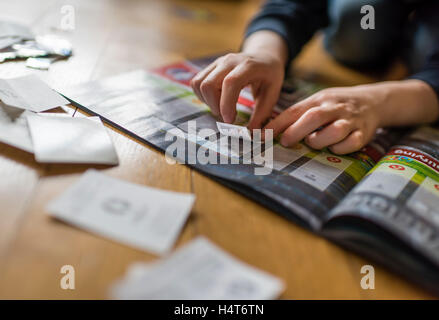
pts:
pixel 430 72
pixel 426 19
pixel 294 20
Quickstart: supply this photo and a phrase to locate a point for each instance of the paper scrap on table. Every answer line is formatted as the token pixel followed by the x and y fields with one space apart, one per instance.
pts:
pixel 14 130
pixel 233 130
pixel 200 271
pixel 7 56
pixel 8 41
pixel 13 29
pixel 40 63
pixel 54 45
pixel 146 218
pixel 30 93
pixel 65 139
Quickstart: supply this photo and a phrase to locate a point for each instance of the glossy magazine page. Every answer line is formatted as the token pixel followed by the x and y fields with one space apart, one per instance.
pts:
pixel 401 193
pixel 159 108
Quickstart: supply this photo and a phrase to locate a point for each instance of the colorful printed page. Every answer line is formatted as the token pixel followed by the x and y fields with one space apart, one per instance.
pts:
pixel 392 183
pixel 159 108
pixel 401 193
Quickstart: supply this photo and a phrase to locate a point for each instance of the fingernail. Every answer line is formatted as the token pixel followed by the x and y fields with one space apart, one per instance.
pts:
pixel 252 126
pixel 228 118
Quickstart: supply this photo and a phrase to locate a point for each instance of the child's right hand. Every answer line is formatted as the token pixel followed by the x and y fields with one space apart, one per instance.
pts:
pixel 219 84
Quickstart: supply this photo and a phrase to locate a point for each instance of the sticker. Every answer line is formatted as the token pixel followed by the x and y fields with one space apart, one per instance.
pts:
pixel 282 156
pixel 322 170
pixel 388 179
pixel 233 130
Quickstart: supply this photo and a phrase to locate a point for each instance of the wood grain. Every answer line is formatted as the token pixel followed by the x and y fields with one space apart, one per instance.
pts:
pixel 118 36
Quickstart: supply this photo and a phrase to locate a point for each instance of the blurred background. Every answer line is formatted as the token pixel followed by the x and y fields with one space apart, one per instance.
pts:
pixel 114 36
pixel 109 37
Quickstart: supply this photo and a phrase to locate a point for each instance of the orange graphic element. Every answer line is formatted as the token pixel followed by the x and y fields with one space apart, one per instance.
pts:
pixel 333 159
pixel 396 167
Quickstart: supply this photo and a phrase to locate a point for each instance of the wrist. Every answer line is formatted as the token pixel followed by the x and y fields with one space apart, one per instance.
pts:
pixel 268 44
pixel 405 102
pixel 384 105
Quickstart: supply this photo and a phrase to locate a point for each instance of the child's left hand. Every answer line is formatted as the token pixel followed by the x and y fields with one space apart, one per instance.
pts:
pixel 348 118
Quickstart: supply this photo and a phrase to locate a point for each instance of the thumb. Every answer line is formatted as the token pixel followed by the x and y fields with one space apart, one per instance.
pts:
pixel 265 101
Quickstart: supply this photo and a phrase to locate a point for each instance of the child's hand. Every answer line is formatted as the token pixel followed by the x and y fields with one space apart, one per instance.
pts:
pixel 220 83
pixel 348 118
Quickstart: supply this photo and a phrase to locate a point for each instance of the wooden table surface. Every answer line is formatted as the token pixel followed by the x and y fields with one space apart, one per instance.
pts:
pixel 115 36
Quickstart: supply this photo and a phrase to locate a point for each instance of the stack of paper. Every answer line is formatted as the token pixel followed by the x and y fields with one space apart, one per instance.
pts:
pixel 18 42
pixel 13 128
pixel 11 33
pixel 52 137
pixel 145 218
pixel 63 139
pixel 200 270
pixel 29 93
pixel 234 130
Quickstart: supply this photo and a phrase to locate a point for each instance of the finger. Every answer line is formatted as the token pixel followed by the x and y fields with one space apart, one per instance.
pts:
pixel 354 142
pixel 329 135
pixel 290 115
pixel 310 121
pixel 198 79
pixel 233 83
pixel 211 86
pixel 267 97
